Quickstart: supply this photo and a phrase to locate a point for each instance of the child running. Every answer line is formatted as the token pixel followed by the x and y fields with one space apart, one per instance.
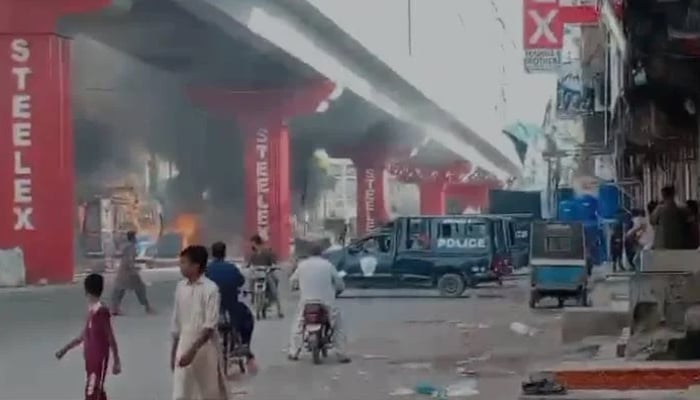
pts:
pixel 97 339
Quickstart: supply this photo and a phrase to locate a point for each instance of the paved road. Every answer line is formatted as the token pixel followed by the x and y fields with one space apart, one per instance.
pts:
pixel 395 343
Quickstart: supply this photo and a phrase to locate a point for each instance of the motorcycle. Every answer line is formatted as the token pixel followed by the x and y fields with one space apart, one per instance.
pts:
pixel 232 349
pixel 261 297
pixel 318 332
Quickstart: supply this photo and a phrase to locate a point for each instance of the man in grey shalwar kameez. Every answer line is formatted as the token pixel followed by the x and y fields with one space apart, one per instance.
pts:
pixel 128 277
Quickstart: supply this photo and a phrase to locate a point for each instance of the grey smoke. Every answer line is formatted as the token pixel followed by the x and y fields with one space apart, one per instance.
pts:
pixel 125 109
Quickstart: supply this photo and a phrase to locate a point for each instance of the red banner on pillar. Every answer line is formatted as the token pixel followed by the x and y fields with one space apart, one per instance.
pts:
pixel 371 198
pixel 267 187
pixel 37 208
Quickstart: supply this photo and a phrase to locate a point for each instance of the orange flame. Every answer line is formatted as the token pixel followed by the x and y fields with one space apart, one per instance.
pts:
pixel 188 226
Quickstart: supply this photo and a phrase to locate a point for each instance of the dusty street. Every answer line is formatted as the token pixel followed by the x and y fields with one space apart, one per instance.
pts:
pixel 395 343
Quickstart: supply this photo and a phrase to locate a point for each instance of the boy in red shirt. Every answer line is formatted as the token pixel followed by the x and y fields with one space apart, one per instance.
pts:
pixel 97 339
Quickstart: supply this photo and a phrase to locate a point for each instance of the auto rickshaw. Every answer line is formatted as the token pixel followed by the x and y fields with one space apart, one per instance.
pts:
pixel 559 264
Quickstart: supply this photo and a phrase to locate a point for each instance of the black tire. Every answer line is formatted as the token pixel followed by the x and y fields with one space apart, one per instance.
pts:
pixel 534 298
pixel 584 301
pixel 451 285
pixel 469 281
pixel 315 347
pixel 260 305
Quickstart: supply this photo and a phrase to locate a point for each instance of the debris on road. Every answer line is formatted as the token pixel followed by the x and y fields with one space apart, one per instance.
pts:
pixel 416 365
pixel 429 389
pixel 425 321
pixel 462 371
pixel 374 357
pixel 471 360
pixel 522 329
pixel 402 391
pixel 465 327
pixel 463 388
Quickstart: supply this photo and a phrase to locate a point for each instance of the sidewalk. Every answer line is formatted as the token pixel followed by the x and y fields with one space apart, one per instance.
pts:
pixel 150 276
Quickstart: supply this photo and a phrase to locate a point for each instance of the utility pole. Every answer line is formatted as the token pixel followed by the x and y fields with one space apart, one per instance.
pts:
pixel 409 5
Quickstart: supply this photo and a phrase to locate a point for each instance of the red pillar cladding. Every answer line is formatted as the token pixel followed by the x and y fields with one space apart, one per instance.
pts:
pixel 371 196
pixel 263 114
pixel 432 198
pixel 268 205
pixel 470 195
pixel 37 173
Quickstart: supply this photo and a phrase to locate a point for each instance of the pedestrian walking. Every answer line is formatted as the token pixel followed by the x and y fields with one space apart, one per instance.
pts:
pixel 195 357
pixel 97 338
pixel 129 278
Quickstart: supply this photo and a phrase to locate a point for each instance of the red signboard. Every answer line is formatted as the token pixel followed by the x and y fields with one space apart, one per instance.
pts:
pixel 543 23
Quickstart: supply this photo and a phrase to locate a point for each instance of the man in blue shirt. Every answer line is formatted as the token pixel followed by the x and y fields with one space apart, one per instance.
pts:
pixel 229 279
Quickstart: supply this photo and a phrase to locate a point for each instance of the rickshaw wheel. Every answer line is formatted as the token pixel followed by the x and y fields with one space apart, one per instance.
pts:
pixel 534 298
pixel 451 285
pixel 583 298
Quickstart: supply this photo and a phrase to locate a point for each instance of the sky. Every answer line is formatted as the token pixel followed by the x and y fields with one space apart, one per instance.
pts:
pixel 455 54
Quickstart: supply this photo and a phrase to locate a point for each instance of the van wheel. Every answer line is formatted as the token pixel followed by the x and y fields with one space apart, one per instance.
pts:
pixel 451 285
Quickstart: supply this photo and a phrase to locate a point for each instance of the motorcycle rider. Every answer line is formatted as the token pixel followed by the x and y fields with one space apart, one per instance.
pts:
pixel 230 280
pixel 264 257
pixel 318 281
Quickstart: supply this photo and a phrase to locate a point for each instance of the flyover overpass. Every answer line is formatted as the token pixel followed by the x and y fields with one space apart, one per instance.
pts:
pixel 258 62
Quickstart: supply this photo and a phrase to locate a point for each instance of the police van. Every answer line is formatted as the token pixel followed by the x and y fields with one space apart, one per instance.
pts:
pixel 450 253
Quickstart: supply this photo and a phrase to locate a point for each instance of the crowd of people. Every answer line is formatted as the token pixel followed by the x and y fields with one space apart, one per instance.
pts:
pixel 666 225
pixel 206 308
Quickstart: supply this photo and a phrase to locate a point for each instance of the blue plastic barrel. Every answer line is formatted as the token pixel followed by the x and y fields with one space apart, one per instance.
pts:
pixel 587 208
pixel 608 201
pixel 565 193
pixel 567 210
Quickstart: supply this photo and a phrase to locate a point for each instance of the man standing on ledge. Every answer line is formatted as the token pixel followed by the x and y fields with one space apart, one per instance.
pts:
pixel 669 221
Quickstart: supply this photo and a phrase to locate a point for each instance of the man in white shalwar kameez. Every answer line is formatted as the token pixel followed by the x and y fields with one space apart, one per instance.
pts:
pixel 195 356
pixel 318 281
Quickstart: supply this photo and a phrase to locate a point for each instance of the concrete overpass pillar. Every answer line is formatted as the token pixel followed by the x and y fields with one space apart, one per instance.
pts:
pixel 371 193
pixel 37 174
pixel 432 197
pixel 263 115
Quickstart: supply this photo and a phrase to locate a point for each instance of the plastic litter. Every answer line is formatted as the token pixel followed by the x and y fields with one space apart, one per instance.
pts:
pixel 428 389
pixel 402 391
pixel 522 329
pixel 463 388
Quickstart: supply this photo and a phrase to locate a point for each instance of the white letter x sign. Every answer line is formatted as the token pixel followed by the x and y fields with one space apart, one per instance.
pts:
pixel 23 220
pixel 543 26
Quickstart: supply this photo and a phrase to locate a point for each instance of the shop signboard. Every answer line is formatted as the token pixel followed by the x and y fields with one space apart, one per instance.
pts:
pixel 542 60
pixel 543 29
